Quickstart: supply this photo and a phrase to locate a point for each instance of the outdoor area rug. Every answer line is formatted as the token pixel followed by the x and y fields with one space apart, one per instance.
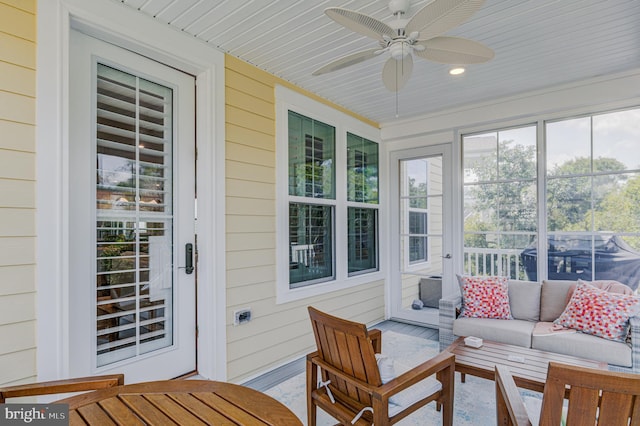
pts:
pixel 474 403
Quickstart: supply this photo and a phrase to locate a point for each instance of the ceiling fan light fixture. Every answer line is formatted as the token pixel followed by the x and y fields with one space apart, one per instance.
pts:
pixel 399 50
pixel 456 70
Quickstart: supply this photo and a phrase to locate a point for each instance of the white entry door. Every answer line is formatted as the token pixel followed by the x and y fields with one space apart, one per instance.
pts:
pixel 131 214
pixel 421 217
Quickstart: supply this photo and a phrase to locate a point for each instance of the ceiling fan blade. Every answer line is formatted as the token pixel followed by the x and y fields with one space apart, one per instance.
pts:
pixel 348 60
pixel 395 74
pixel 454 50
pixel 440 16
pixel 360 23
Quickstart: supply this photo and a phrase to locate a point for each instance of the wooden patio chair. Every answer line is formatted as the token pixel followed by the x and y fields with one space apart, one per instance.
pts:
pixel 351 389
pixel 595 397
pixel 80 384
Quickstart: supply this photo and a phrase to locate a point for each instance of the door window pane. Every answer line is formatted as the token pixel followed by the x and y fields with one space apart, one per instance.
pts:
pixel 363 240
pixel 422 228
pixel 134 223
pixel 421 208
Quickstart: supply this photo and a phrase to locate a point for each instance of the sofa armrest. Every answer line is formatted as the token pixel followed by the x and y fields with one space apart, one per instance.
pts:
pixel 634 323
pixel 446 316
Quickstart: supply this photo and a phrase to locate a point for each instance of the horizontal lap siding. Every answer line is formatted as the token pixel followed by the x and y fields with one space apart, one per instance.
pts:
pixel 17 186
pixel 277 333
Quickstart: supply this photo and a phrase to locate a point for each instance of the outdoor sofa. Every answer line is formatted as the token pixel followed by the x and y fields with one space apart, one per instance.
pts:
pixel 531 303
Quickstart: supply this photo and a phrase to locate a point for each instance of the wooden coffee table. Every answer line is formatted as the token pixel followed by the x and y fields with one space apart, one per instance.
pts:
pixel 531 374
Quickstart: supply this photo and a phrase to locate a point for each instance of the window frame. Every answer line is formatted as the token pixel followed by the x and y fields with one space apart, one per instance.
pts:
pixel 288 99
pixel 539 121
pixel 500 181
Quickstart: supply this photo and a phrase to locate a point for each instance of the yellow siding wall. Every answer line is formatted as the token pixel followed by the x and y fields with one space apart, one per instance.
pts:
pixel 17 190
pixel 277 333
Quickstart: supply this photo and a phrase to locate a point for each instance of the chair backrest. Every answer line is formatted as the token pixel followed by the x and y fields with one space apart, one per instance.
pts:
pixel 346 346
pixel 79 384
pixel 594 396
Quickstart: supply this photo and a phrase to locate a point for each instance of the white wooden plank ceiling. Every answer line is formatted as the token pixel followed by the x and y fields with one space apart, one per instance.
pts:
pixel 538 43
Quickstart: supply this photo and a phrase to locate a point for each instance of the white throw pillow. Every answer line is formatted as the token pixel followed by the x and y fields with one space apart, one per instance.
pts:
pixel 386 368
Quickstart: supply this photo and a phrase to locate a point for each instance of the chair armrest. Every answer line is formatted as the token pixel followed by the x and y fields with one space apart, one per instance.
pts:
pixel 446 316
pixel 442 364
pixel 634 323
pixel 314 359
pixel 376 339
pixel 510 409
pixel 62 386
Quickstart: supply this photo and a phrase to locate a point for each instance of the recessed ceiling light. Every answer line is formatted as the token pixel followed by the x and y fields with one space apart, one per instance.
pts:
pixel 456 71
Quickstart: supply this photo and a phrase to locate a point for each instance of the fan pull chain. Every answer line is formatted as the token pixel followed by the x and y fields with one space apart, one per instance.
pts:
pixel 402 70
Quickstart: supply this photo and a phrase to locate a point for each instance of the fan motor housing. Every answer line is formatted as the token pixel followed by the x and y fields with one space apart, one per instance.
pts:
pixel 399 6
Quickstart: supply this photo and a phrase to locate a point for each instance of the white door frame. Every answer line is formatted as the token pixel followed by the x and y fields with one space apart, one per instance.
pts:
pixel 393 296
pixel 115 23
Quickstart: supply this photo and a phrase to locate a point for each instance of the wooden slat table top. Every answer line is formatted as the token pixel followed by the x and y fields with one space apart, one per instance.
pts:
pixel 179 402
pixel 531 374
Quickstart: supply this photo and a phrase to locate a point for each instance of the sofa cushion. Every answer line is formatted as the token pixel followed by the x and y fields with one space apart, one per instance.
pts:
pixel 484 297
pixel 513 332
pixel 553 297
pixel 598 312
pixel 585 346
pixel 524 299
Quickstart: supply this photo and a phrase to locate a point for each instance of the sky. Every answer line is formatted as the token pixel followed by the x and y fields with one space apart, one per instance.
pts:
pixel 615 135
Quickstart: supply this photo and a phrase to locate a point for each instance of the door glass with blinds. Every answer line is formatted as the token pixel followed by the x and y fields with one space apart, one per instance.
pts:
pixel 134 217
pixel 131 214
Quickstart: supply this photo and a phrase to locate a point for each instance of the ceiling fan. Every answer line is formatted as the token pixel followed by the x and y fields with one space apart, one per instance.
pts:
pixel 419 35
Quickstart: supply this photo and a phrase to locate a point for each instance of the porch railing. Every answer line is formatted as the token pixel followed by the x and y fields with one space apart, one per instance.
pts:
pixel 488 261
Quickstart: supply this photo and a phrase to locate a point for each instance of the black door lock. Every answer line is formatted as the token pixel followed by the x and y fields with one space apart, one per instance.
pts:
pixel 188 258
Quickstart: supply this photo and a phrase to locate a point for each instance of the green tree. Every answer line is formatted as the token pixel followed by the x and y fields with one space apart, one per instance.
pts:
pixel 620 211
pixel 570 192
pixel 509 202
pixel 479 228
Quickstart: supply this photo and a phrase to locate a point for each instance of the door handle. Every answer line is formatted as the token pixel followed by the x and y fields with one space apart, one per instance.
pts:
pixel 188 258
pixel 447 256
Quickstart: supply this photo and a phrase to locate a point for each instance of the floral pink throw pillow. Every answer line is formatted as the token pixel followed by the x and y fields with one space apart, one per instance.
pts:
pixel 485 297
pixel 598 312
